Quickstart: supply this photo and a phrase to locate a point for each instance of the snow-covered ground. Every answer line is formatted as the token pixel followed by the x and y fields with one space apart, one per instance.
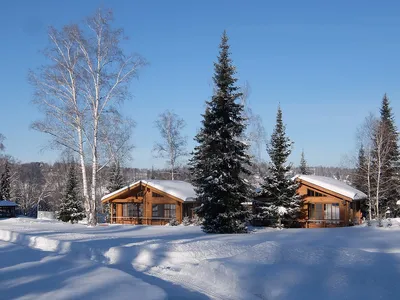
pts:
pixel 52 260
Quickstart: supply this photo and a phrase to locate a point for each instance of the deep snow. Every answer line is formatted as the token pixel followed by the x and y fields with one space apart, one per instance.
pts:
pixel 348 263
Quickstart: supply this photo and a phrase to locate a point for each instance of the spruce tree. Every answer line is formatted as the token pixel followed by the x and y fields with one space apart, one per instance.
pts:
pixel 303 165
pixel 116 180
pixel 5 183
pixel 279 202
pixel 360 174
pixel 391 171
pixel 220 159
pixel 71 206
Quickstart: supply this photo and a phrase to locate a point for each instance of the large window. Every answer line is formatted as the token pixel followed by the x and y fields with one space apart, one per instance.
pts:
pixel 315 211
pixel 332 211
pixel 169 210
pixel 319 211
pixel 164 211
pixel 132 210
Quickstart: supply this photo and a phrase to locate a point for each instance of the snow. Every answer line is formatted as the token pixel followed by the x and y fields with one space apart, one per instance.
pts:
pixel 181 262
pixel 7 203
pixel 398 202
pixel 180 189
pixel 333 185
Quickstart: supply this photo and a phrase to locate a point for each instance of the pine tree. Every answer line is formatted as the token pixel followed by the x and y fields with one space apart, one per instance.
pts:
pixel 5 183
pixel 71 206
pixel 303 165
pixel 391 171
pixel 220 160
pixel 280 202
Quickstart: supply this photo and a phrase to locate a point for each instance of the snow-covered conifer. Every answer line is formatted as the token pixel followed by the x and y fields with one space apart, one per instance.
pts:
pixel 220 160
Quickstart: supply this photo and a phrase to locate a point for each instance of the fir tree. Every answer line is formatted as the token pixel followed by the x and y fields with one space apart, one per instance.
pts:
pixel 220 160
pixel 5 183
pixel 71 206
pixel 391 172
pixel 280 202
pixel 303 165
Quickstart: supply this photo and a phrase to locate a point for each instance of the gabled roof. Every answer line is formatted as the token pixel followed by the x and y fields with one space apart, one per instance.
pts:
pixel 179 189
pixel 7 203
pixel 333 185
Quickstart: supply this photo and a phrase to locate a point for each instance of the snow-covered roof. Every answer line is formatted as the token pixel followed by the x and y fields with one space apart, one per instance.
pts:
pixel 7 203
pixel 333 185
pixel 179 189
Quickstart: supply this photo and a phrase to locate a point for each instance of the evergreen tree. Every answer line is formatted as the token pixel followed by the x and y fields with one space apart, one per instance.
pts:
pixel 116 181
pixel 71 206
pixel 5 183
pixel 220 160
pixel 303 165
pixel 391 171
pixel 360 175
pixel 280 202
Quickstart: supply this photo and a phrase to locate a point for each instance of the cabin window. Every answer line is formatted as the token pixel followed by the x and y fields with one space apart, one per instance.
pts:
pixel 169 210
pixel 332 211
pixel 132 210
pixel 315 211
pixel 156 195
pixel 311 193
pixel 319 211
pixel 164 211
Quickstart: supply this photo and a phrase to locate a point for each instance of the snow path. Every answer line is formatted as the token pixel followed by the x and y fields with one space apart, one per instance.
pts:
pixel 341 263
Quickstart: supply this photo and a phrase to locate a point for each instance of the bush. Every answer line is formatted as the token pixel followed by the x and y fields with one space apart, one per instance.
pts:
pixel 389 223
pixel 197 221
pixel 369 222
pixel 379 223
pixel 173 222
pixel 186 221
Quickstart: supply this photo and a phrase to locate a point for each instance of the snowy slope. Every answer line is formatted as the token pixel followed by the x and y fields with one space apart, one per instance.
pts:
pixel 31 274
pixel 333 185
pixel 339 263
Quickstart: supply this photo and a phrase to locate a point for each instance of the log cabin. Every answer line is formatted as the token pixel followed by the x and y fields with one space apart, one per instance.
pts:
pixel 329 202
pixel 7 209
pixel 151 202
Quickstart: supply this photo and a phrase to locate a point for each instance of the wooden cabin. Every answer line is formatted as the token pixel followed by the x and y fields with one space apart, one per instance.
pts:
pixel 151 202
pixel 7 209
pixel 329 202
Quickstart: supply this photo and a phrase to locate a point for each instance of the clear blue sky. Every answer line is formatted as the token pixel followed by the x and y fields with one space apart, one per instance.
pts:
pixel 327 64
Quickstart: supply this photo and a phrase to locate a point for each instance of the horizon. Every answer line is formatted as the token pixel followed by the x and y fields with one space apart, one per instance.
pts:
pixel 327 65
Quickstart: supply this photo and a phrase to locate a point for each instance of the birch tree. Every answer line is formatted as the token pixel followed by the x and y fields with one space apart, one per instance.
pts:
pixel 365 172
pixel 81 91
pixel 173 144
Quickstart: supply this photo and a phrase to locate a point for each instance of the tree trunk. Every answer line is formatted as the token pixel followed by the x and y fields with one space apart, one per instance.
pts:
pixel 92 219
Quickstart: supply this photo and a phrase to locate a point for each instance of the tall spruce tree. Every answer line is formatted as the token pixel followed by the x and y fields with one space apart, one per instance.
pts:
pixel 391 171
pixel 71 209
pixel 5 183
pixel 280 204
pixel 360 177
pixel 220 160
pixel 303 165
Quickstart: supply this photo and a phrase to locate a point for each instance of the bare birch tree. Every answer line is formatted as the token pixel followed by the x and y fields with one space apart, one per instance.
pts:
pixel 173 144
pixel 365 135
pixel 81 91
pixel 381 157
pixel 255 133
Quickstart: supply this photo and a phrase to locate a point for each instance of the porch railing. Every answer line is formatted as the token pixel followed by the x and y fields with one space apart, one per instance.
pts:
pixel 140 220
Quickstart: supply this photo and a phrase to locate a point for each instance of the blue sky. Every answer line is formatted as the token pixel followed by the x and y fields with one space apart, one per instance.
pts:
pixel 328 63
